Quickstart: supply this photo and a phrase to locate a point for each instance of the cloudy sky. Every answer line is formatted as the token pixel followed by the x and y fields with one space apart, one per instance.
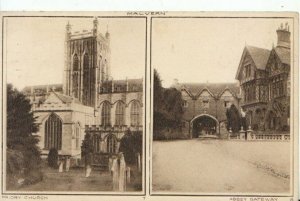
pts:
pixel 207 49
pixel 35 47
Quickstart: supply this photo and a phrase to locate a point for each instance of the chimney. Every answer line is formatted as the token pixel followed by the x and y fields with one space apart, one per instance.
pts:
pixel 283 36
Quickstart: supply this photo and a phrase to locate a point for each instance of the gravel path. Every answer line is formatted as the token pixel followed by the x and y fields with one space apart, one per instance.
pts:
pixel 215 166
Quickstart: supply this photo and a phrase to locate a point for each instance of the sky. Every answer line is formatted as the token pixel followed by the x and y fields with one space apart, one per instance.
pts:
pixel 207 49
pixel 35 47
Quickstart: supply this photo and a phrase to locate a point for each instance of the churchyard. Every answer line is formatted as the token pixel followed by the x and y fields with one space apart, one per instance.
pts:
pixel 221 166
pixel 75 180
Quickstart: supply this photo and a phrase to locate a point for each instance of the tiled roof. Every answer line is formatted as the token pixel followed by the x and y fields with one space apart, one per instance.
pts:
pixel 66 99
pixel 284 54
pixel 260 56
pixel 215 88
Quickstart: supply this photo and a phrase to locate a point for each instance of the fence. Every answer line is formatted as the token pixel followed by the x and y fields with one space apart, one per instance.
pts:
pixel 249 135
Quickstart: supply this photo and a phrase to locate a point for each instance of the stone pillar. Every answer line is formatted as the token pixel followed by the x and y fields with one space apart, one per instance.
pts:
pixel 242 133
pixel 230 133
pixel 249 134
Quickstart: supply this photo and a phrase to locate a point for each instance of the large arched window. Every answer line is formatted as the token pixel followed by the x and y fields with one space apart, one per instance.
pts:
pixel 120 114
pixel 86 80
pixel 75 63
pixel 53 132
pixel 135 113
pixel 75 76
pixel 105 114
pixel 111 144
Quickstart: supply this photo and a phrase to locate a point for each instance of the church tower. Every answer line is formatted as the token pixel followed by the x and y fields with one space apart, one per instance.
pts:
pixel 87 63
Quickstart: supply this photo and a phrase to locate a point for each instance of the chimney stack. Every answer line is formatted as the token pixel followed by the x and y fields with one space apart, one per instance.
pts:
pixel 283 36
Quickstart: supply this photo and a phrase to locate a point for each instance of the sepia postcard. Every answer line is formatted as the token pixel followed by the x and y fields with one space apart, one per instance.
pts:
pixel 150 105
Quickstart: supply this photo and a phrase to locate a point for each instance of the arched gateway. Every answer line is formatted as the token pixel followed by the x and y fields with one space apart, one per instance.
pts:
pixel 204 124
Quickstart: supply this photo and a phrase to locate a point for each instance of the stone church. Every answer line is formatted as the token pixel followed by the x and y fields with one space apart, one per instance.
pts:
pixel 89 99
pixel 264 76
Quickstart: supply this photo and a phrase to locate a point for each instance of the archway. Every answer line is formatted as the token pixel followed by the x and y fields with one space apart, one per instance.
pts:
pixel 204 124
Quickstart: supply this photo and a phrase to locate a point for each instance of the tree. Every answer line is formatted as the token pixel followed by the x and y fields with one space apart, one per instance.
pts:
pixel 233 119
pixel 20 127
pixel 168 108
pixel 53 158
pixel 87 149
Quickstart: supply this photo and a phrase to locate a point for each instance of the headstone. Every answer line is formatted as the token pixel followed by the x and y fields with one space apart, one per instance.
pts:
pixel 115 174
pixel 122 178
pixel 127 174
pixel 61 166
pixel 139 162
pixel 68 162
pixel 88 170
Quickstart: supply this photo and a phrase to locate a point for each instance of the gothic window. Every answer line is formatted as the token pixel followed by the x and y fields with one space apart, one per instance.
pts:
pixel 77 136
pixel 86 80
pixel 185 103
pixel 75 63
pixel 111 144
pixel 135 113
pixel 120 114
pixel 96 143
pixel 53 132
pixel 248 70
pixel 105 114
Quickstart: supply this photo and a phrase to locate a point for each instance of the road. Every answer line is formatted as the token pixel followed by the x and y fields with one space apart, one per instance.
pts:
pixel 215 166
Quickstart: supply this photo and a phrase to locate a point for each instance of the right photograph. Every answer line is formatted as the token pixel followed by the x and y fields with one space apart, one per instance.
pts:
pixel 222 105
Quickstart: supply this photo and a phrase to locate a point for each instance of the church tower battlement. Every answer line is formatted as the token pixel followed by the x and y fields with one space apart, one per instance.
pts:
pixel 87 63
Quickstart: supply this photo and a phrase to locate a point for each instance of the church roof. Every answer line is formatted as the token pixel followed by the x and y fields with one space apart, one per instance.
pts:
pixel 215 89
pixel 260 56
pixel 284 54
pixel 66 99
pixel 42 89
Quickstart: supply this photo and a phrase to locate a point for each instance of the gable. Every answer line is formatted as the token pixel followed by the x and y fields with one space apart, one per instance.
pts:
pixel 226 93
pixel 205 93
pixel 257 57
pixel 53 98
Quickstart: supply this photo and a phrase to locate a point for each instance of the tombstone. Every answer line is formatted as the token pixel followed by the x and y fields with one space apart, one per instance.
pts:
pixel 68 162
pixel 61 166
pixel 127 174
pixel 139 162
pixel 88 170
pixel 115 173
pixel 122 173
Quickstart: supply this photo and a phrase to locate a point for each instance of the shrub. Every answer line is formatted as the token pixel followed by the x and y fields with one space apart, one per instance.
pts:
pixel 53 158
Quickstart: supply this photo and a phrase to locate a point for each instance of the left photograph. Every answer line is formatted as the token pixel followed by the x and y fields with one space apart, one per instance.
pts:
pixel 74 104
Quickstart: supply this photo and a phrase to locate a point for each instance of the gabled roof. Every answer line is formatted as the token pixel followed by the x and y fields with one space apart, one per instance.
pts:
pixel 216 89
pixel 259 56
pixel 284 54
pixel 64 98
